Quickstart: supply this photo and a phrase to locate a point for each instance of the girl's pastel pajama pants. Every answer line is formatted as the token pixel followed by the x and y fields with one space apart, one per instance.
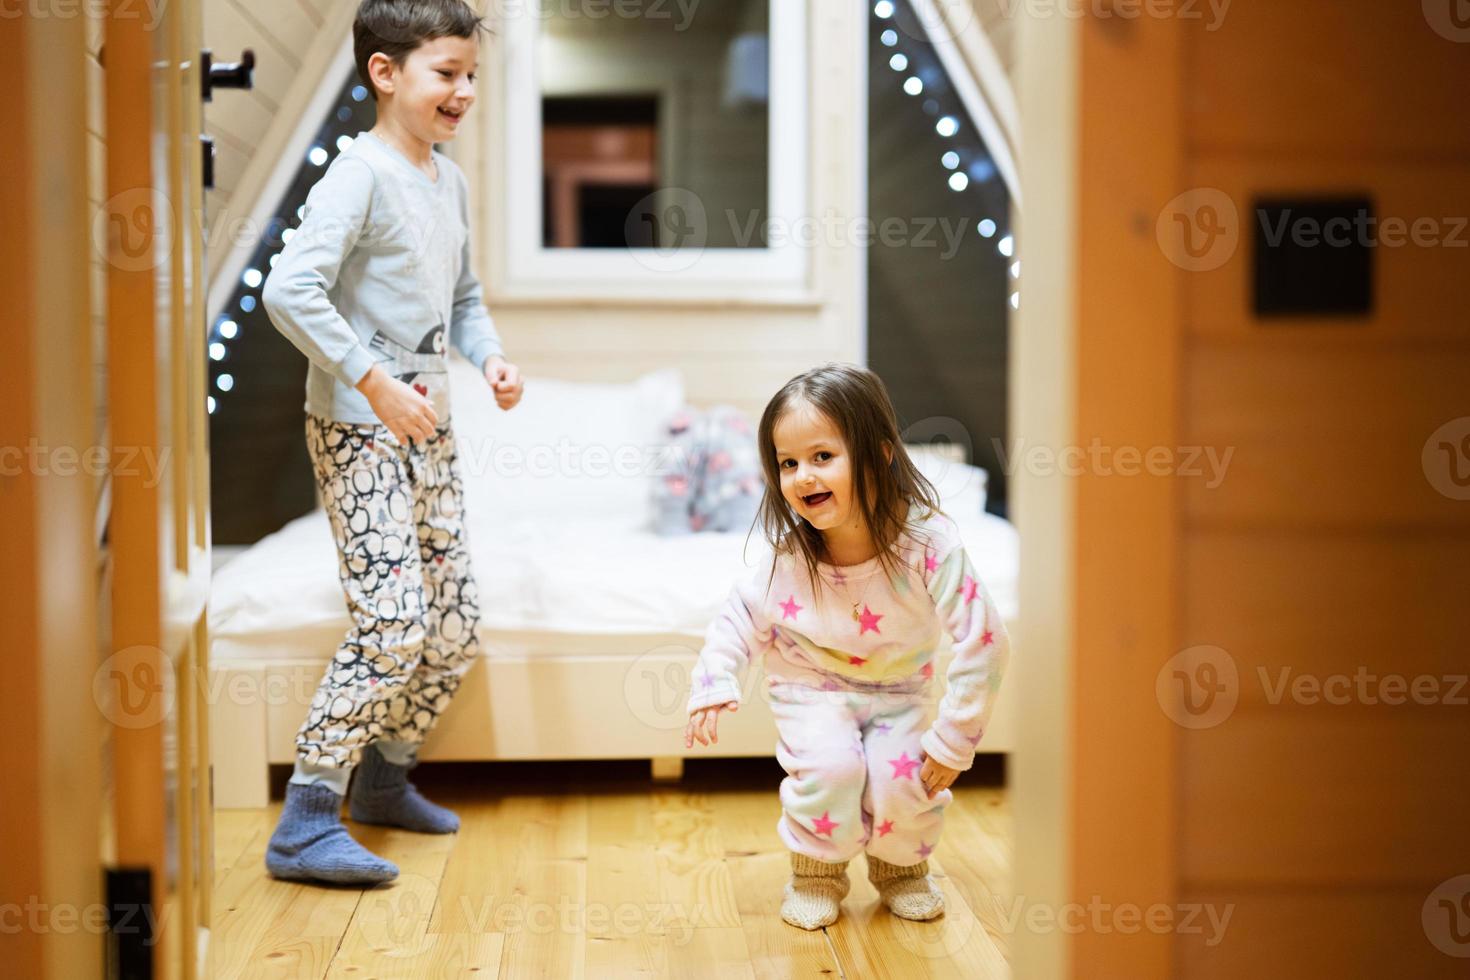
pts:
pixel 852 760
pixel 396 513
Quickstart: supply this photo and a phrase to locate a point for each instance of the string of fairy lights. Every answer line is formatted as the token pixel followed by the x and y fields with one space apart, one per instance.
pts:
pixel 352 112
pixel 963 169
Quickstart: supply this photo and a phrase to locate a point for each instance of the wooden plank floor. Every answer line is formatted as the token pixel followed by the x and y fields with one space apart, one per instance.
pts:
pixel 572 870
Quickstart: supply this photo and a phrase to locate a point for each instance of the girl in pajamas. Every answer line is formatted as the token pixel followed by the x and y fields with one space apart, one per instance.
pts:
pixel 865 579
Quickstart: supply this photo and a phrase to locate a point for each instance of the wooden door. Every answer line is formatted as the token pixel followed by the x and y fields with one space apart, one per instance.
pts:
pixel 159 522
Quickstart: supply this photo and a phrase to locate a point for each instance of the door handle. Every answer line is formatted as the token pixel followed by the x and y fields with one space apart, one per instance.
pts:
pixel 206 144
pixel 226 74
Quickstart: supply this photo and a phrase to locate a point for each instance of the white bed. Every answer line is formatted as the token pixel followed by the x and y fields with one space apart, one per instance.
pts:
pixel 590 621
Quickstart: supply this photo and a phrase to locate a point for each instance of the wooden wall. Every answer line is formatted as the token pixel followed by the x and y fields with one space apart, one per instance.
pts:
pixel 1328 550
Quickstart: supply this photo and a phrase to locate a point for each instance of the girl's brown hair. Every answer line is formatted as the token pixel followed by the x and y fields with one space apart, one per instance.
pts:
pixel 857 403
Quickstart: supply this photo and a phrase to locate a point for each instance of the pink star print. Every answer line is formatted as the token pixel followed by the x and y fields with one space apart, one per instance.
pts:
pixel 869 620
pixel 885 828
pixel 857 661
pixel 706 681
pixel 928 669
pixel 986 638
pixel 931 562
pixel 789 608
pixel 970 588
pixel 903 766
pixel 822 825
pixel 925 850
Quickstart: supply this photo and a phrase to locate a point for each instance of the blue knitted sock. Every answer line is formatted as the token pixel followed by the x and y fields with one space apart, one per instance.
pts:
pixel 382 794
pixel 310 843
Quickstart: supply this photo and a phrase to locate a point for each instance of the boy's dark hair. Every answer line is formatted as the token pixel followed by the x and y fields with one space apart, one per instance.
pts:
pixel 857 403
pixel 396 27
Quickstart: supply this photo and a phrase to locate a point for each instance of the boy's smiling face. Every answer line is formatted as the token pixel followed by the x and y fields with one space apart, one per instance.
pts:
pixel 433 90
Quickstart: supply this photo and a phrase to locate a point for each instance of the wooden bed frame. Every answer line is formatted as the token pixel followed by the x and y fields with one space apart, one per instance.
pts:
pixel 596 698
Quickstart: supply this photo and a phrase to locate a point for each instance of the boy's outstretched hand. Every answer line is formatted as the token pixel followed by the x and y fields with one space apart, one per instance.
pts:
pixel 704 722
pixel 505 381
pixel 407 413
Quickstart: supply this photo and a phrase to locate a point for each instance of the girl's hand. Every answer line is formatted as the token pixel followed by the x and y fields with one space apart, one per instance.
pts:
pixel 936 777
pixel 505 381
pixel 704 722
pixel 408 414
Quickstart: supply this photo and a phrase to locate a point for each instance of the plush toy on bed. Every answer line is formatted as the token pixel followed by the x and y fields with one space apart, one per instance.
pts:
pixel 711 480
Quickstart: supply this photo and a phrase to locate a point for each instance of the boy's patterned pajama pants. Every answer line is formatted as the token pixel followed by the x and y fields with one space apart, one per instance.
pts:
pixel 397 514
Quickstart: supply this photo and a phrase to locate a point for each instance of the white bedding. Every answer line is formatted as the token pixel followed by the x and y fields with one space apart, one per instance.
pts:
pixel 562 556
pixel 281 599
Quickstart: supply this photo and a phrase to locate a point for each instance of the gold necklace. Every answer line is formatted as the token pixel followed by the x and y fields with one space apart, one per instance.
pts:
pixel 856 616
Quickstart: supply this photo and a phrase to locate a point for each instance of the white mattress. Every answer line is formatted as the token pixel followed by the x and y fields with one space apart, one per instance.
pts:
pixel 545 588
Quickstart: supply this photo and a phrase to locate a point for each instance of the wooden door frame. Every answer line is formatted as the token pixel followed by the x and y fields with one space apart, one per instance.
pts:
pixel 159 529
pixel 1096 351
pixel 48 578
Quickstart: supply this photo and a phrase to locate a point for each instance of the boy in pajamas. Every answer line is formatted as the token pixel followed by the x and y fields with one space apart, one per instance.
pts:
pixel 374 287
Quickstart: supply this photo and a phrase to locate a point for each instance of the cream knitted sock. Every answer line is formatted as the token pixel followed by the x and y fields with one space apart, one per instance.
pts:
pixel 908 891
pixel 814 893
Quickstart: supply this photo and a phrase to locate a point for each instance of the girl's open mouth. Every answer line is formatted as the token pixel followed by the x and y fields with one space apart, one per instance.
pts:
pixel 451 116
pixel 817 499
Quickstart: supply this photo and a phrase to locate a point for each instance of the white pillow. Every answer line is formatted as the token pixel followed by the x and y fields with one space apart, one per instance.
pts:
pixel 961 487
pixel 570 450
